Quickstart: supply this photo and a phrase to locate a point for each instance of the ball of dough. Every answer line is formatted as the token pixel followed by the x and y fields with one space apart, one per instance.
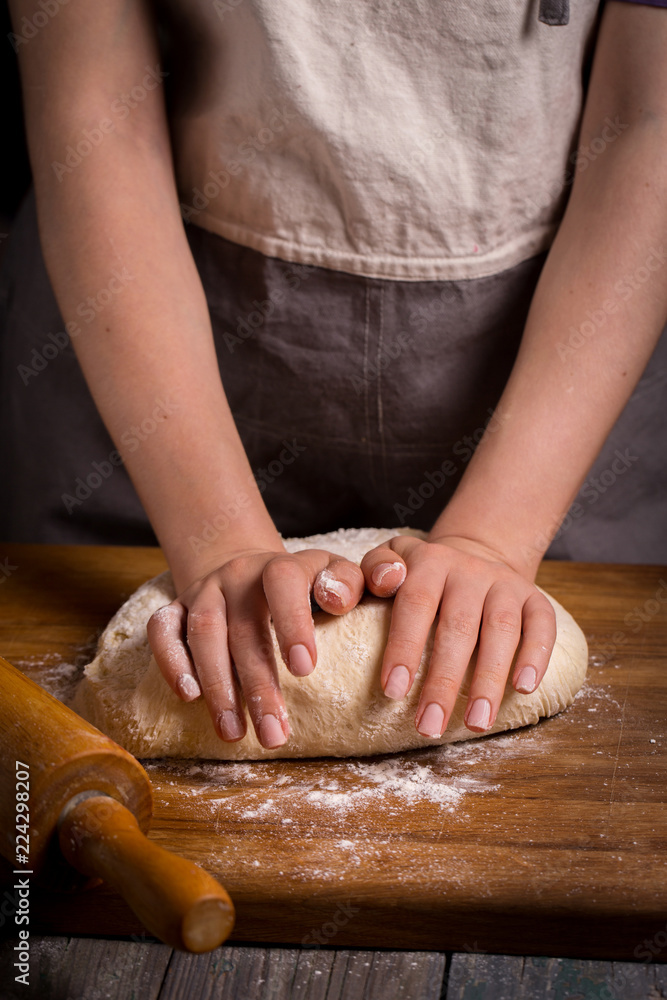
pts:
pixel 339 710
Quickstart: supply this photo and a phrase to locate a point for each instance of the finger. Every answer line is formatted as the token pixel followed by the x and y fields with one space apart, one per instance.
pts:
pixel 454 643
pixel 415 608
pixel 287 591
pixel 166 635
pixel 384 571
pixel 539 636
pixel 499 637
pixel 251 648
pixel 338 585
pixel 208 641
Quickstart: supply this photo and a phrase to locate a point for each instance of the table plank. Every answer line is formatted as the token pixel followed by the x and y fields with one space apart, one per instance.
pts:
pixel 504 977
pixel 91 968
pixel 305 974
pixel 86 968
pixel 548 840
pixel 398 975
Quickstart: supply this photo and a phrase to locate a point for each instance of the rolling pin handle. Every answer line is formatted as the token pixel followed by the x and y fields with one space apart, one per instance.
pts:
pixel 175 899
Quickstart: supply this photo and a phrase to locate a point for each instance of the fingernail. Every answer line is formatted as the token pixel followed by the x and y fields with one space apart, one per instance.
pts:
pixel 231 726
pixel 271 732
pixel 300 662
pixel 526 680
pixel 379 573
pixel 187 687
pixel 333 588
pixel 432 721
pixel 479 716
pixel 398 683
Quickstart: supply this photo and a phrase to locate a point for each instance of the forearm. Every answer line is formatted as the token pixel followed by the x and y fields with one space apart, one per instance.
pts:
pixel 126 283
pixel 149 359
pixel 597 313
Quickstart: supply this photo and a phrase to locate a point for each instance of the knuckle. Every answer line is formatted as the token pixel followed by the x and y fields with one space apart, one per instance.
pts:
pixel 236 569
pixel 405 648
pixel 203 623
pixel 345 567
pixel 539 604
pixel 248 645
pixel 278 568
pixel 219 689
pixel 164 618
pixel 460 625
pixel 505 621
pixel 260 693
pixel 444 687
pixel 492 676
pixel 297 623
pixel 544 620
pixel 416 602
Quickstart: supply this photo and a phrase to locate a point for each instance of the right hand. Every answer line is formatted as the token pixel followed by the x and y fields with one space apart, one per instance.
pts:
pixel 214 638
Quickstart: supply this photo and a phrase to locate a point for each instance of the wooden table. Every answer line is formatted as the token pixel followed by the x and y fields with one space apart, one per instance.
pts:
pixel 87 969
pixel 548 841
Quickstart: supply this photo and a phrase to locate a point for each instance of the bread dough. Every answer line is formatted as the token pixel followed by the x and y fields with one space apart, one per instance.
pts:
pixel 339 710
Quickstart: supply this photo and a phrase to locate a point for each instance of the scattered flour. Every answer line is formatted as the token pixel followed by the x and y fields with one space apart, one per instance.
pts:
pixel 56 675
pixel 328 802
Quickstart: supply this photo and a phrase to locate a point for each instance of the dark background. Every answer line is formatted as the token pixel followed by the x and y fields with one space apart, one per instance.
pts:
pixel 15 165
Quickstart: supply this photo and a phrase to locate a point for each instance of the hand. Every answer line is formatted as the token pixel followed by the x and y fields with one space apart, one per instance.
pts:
pixel 477 596
pixel 214 638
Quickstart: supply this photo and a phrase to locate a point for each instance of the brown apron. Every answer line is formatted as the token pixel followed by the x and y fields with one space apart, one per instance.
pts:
pixel 359 402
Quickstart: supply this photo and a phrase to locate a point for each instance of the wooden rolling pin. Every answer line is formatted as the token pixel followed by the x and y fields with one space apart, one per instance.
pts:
pixel 89 804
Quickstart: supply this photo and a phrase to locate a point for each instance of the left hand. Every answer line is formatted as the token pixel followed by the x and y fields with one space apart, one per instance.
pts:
pixel 477 595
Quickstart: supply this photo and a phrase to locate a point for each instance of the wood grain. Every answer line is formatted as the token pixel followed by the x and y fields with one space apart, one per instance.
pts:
pixel 62 969
pixel 89 969
pixel 299 974
pixel 552 840
pixel 504 977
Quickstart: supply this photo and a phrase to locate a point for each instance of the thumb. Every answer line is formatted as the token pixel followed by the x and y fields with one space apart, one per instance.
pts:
pixel 338 587
pixel 384 571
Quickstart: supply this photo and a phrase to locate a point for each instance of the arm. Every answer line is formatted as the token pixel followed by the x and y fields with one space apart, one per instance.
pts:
pixel 112 222
pixel 560 402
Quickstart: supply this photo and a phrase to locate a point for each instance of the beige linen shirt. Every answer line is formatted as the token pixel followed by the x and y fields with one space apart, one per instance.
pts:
pixel 404 139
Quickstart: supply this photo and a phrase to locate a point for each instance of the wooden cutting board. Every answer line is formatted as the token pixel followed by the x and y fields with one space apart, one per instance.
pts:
pixel 550 840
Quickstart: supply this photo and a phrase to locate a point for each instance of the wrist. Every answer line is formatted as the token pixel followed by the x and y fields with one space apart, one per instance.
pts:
pixel 215 540
pixel 520 553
